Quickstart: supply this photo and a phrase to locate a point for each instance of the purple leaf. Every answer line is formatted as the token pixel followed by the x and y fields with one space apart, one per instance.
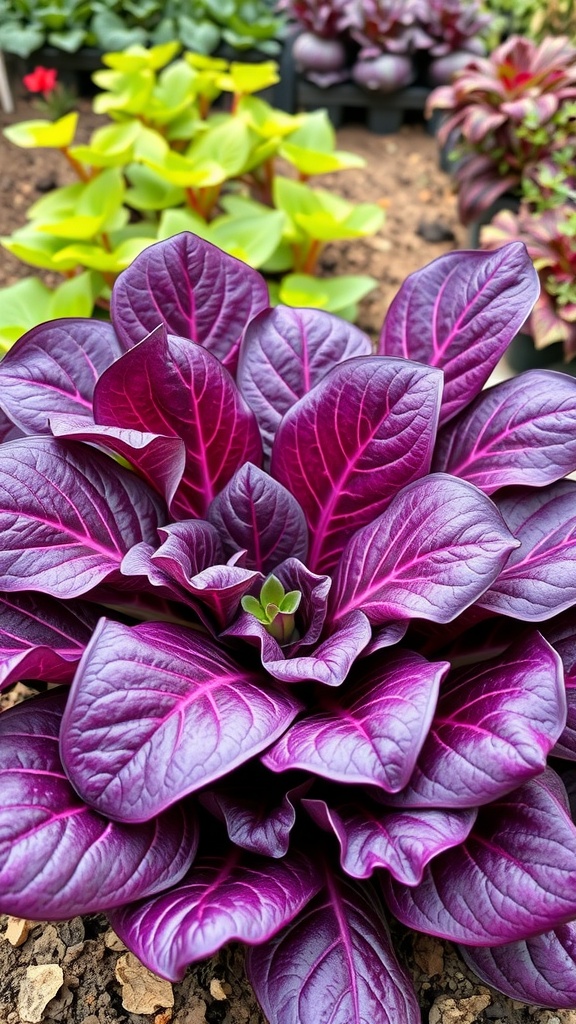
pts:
pixel 494 726
pixel 522 431
pixel 195 289
pixel 285 353
pixel 41 640
pixel 187 548
pixel 329 663
pixel 372 730
pixel 157 711
pixel 8 430
pixel 68 515
pixel 348 446
pixel 159 460
pixel 187 556
pixel 437 547
pixel 386 636
pixel 169 386
pixel 404 842
pixel 539 579
pixel 334 963
pixel 540 971
pixel 53 369
pixel 139 568
pixel 561 633
pixel 460 313
pixel 514 877
pixel 220 900
pixel 256 514
pixel 58 857
pixel 261 823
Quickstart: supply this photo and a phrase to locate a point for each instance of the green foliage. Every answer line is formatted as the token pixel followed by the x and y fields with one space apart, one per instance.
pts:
pixel 201 25
pixel 171 160
pixel 532 18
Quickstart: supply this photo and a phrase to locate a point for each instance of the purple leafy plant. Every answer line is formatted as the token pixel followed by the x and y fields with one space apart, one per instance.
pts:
pixel 304 635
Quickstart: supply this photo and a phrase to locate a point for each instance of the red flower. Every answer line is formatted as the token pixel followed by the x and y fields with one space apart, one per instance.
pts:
pixel 41 80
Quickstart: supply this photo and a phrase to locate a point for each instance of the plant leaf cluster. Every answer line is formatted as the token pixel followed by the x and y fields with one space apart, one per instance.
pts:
pixel 373 41
pixel 507 114
pixel 200 25
pixel 311 610
pixel 171 160
pixel 530 18
pixel 550 237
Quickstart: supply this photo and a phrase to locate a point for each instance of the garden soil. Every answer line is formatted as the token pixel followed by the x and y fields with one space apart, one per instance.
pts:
pixel 78 972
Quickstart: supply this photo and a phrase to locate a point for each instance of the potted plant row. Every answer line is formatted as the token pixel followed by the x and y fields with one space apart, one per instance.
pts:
pixel 71 35
pixel 383 55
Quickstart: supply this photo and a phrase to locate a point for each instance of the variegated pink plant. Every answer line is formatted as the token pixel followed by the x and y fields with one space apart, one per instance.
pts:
pixel 550 237
pixel 502 109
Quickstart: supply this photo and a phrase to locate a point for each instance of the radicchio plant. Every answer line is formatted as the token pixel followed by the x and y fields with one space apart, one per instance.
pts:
pixel 287 587
pixel 318 48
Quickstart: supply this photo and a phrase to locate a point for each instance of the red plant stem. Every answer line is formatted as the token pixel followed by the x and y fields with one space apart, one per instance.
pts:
pixel 80 171
pixel 312 257
pixel 269 172
pixel 203 107
pixel 193 201
pixel 209 197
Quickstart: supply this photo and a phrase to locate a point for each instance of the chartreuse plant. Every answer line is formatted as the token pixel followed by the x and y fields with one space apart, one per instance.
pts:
pixel 169 161
pixel 312 614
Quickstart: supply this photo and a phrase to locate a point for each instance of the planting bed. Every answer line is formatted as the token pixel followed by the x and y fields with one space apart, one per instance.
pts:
pixel 77 972
pixel 401 174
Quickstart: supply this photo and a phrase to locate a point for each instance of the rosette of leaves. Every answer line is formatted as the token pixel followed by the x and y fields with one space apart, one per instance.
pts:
pixel 170 161
pixel 454 30
pixel 311 611
pixel 504 110
pixel 318 48
pixel 550 237
pixel 388 32
pixel 200 25
pixel 385 26
pixel 453 25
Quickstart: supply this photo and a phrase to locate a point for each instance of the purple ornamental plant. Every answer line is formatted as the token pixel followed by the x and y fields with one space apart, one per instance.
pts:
pixel 279 586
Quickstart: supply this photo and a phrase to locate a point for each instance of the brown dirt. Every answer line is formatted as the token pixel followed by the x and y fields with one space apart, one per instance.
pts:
pixel 87 966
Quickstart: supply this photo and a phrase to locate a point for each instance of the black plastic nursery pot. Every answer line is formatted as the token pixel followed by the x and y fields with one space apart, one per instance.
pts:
pixel 384 113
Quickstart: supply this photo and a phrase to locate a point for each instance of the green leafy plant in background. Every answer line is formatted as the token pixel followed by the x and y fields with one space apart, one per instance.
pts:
pixel 170 160
pixel 532 18
pixel 200 25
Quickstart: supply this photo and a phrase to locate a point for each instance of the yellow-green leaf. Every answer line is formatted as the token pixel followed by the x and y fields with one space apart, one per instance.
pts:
pixel 45 134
